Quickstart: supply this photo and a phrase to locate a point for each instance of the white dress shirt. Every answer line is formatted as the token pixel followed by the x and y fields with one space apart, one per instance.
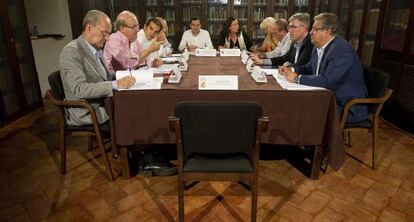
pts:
pixel 281 49
pixel 320 52
pixel 201 40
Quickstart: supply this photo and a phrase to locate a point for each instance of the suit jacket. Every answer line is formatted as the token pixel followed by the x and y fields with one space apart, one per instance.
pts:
pixel 83 78
pixel 305 52
pixel 340 71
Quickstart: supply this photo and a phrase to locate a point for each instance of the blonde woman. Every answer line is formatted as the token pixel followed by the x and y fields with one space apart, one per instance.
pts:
pixel 269 28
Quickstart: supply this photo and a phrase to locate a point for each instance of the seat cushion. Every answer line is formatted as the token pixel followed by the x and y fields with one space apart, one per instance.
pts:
pixel 218 163
pixel 361 124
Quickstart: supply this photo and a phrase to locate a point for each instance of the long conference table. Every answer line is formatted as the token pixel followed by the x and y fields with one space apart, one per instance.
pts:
pixel 296 117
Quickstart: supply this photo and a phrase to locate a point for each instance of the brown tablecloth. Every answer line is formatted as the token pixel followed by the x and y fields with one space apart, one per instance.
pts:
pixel 296 117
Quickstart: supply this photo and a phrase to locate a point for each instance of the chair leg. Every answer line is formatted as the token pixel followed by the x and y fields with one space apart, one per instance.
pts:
pixel 62 152
pixel 107 163
pixel 253 187
pixel 374 145
pixel 181 186
pixel 316 162
pixel 90 142
pixel 349 139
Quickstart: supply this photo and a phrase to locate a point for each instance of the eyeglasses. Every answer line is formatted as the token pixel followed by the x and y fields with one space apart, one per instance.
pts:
pixel 135 27
pixel 294 26
pixel 314 29
pixel 103 31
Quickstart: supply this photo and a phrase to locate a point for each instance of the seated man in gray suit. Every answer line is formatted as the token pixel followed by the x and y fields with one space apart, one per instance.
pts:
pixel 83 72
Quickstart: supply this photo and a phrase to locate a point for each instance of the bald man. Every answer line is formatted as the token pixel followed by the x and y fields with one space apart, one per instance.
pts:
pixel 83 72
pixel 118 53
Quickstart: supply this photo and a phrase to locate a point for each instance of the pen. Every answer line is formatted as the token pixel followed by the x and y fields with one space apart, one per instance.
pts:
pixel 130 73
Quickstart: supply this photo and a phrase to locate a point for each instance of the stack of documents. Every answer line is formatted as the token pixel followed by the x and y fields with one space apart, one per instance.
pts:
pixel 144 79
pixel 293 86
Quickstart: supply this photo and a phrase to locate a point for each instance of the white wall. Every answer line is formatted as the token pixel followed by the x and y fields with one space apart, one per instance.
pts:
pixel 50 17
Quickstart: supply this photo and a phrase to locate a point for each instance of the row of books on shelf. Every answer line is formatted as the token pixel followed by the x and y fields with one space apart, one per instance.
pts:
pixel 240 13
pixel 191 1
pixel 151 14
pixel 170 15
pixel 280 15
pixel 151 2
pixel 257 33
pixel 168 2
pixel 217 1
pixel 191 11
pixel 259 14
pixel 281 2
pixel 217 13
pixel 215 29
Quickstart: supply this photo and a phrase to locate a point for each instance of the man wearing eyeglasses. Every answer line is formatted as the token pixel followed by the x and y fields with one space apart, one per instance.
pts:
pixel 301 47
pixel 118 52
pixel 334 65
pixel 83 71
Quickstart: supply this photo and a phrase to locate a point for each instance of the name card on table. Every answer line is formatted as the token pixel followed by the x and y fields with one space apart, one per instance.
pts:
pixel 258 75
pixel 218 82
pixel 229 52
pixel 244 57
pixel 183 65
pixel 175 77
pixel 206 52
pixel 249 65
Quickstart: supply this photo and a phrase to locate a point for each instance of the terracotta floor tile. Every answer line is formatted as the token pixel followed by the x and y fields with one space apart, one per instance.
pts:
pixel 374 202
pixel 328 215
pixel 315 202
pixel 392 215
pixel 32 188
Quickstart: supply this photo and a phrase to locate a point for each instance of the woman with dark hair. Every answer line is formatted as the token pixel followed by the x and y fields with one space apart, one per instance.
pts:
pixel 232 37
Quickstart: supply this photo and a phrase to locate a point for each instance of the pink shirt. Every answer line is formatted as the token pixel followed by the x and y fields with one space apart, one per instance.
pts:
pixel 118 54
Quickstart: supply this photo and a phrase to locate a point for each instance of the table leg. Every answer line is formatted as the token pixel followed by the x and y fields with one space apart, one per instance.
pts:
pixel 126 172
pixel 316 162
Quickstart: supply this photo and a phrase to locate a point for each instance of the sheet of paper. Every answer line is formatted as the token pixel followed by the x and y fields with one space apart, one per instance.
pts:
pixel 154 84
pixel 293 86
pixel 170 59
pixel 206 52
pixel 218 82
pixel 270 72
pixel 229 52
pixel 166 68
pixel 141 75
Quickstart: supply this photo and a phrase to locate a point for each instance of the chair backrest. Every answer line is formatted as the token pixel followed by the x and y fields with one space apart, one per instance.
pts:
pixel 218 127
pixel 376 80
pixel 56 85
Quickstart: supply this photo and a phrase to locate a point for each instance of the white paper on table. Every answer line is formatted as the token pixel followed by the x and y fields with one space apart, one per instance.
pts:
pixel 270 72
pixel 293 86
pixel 166 68
pixel 249 65
pixel 218 82
pixel 244 57
pixel 170 59
pixel 206 52
pixel 176 55
pixel 144 79
pixel 258 75
pixel 229 52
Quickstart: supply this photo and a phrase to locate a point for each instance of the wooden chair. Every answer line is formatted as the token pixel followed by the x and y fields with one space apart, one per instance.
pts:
pixel 57 96
pixel 377 83
pixel 218 141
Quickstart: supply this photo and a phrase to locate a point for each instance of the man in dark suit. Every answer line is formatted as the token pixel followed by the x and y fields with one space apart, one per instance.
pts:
pixel 334 65
pixel 301 47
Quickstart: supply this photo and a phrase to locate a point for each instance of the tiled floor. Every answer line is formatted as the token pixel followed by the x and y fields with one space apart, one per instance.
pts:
pixel 32 189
